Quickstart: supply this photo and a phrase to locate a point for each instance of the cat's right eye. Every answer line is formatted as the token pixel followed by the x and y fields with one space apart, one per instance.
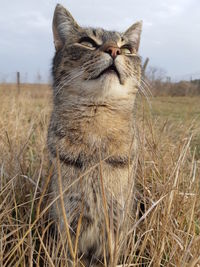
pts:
pixel 88 42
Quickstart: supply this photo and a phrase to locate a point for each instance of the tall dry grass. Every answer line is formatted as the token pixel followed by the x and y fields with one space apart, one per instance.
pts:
pixel 167 233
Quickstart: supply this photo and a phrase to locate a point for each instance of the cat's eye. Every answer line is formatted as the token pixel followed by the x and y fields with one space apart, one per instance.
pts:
pixel 88 42
pixel 126 51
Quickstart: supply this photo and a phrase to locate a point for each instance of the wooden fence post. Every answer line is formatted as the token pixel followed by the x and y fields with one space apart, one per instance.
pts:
pixel 145 66
pixel 18 82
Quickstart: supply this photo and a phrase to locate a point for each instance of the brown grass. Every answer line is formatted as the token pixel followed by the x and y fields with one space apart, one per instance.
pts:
pixel 168 233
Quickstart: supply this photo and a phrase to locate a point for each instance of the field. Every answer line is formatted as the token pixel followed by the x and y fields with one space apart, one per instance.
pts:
pixel 168 234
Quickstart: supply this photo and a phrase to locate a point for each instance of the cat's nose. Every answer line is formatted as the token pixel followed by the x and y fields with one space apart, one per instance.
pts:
pixel 113 51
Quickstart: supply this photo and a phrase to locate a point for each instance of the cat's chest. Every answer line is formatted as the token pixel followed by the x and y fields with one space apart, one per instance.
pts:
pixel 104 127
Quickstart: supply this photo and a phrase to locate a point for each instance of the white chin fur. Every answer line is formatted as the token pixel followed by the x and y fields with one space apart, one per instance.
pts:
pixel 107 86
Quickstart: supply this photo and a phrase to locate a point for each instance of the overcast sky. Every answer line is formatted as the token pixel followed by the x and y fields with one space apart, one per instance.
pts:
pixel 170 38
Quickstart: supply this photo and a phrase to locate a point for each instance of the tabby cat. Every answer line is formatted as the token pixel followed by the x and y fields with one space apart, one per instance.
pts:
pixel 92 134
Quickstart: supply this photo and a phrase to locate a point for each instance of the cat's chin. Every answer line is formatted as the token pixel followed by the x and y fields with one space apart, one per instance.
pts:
pixel 111 72
pixel 105 87
pixel 110 76
pixel 114 76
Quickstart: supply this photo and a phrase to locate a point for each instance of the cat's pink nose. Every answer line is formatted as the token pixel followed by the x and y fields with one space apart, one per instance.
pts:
pixel 113 51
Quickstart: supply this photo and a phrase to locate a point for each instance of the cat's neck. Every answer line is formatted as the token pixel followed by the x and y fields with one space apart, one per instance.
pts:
pixel 98 120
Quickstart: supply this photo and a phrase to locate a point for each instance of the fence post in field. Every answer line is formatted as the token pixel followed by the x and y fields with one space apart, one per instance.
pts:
pixel 18 82
pixel 145 66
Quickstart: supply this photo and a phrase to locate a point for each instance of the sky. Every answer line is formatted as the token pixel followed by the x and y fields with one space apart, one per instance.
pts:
pixel 170 37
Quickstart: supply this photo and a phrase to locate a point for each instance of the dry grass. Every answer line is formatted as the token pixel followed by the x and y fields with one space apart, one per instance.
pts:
pixel 168 233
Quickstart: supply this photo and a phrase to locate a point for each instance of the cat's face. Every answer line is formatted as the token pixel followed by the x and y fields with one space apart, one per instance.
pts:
pixel 94 62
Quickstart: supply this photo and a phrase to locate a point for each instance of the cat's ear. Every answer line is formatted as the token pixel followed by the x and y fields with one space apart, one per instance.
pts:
pixel 133 34
pixel 63 25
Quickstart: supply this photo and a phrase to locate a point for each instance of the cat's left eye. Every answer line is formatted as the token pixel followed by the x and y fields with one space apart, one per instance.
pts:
pixel 126 51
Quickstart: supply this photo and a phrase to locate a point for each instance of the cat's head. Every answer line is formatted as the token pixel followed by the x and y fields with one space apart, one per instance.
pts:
pixel 92 62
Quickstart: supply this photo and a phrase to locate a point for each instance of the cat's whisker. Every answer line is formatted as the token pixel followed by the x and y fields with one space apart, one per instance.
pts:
pixel 92 61
pixel 143 91
pixel 147 85
pixel 143 87
pixel 68 81
pixel 94 65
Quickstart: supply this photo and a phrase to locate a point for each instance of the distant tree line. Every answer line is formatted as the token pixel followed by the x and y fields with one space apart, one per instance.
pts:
pixel 162 85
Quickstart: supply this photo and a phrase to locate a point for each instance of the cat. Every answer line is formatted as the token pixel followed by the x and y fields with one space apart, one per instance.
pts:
pixel 92 136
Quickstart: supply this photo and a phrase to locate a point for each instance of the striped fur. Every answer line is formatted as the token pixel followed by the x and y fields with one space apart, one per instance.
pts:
pixel 92 121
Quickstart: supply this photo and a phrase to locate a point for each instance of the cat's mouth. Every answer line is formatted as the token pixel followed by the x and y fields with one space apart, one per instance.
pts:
pixel 110 70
